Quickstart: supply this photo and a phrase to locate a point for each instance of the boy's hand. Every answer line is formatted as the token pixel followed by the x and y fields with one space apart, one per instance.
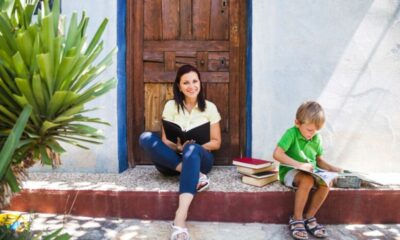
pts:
pixel 307 167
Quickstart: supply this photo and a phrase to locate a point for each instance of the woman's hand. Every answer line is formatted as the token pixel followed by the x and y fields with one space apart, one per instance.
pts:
pixel 179 146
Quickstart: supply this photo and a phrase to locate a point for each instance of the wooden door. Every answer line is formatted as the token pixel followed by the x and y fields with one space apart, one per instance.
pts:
pixel 166 34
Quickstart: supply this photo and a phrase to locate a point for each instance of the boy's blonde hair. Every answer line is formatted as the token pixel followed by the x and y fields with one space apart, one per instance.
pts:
pixel 311 112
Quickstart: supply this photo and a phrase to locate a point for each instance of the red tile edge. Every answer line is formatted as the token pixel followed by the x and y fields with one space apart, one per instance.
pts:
pixel 341 206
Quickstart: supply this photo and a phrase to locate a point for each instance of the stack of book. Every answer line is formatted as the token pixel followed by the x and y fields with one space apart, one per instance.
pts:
pixel 256 172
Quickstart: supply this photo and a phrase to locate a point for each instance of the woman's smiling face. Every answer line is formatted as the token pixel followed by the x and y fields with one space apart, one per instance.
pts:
pixel 190 85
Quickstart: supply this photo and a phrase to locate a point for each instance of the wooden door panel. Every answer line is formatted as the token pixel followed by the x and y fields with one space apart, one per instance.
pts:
pixel 169 60
pixel 152 20
pixel 186 19
pixel 182 46
pixel 218 61
pixel 184 54
pixel 218 93
pixel 150 67
pixel 182 60
pixel 156 95
pixel 170 19
pixel 153 61
pixel 169 77
pixel 219 27
pixel 153 56
pixel 202 61
pixel 187 57
pixel 201 19
pixel 166 34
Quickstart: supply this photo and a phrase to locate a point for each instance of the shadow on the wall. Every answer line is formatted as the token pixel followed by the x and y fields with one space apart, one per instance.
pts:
pixel 361 124
pixel 343 55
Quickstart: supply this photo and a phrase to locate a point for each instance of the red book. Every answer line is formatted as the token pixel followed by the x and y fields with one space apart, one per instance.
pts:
pixel 251 162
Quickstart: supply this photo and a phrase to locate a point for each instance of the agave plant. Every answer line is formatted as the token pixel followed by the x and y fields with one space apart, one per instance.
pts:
pixel 7 147
pixel 53 70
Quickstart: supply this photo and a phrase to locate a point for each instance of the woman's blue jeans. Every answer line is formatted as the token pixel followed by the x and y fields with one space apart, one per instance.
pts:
pixel 195 159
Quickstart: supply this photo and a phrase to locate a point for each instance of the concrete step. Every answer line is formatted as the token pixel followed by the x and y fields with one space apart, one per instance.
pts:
pixel 143 193
pixel 87 228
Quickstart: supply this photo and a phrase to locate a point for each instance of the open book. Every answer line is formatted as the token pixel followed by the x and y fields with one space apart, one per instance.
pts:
pixel 321 176
pixel 200 134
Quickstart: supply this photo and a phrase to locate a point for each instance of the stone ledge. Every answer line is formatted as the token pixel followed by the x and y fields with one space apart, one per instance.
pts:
pixel 147 178
pixel 143 193
pixel 350 206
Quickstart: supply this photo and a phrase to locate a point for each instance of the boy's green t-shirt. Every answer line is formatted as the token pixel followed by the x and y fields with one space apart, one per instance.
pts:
pixel 299 148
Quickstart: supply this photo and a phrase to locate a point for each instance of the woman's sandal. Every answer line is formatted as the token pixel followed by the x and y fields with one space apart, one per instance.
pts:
pixel 204 183
pixel 179 233
pixel 317 230
pixel 295 230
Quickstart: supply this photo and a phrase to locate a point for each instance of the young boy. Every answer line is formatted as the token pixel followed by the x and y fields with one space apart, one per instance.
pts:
pixel 301 147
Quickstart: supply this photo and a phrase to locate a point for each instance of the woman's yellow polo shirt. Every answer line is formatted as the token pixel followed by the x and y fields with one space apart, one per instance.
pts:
pixel 193 119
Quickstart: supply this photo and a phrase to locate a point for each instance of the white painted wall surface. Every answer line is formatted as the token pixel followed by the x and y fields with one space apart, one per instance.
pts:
pixel 344 54
pixel 100 158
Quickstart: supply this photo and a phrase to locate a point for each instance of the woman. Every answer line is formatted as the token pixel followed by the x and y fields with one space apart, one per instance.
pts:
pixel 192 161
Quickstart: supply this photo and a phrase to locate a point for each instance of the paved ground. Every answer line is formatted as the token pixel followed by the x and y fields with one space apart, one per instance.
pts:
pixel 100 228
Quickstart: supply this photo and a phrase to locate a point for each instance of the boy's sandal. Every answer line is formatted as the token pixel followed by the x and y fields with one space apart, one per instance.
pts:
pixel 295 230
pixel 204 183
pixel 317 230
pixel 179 233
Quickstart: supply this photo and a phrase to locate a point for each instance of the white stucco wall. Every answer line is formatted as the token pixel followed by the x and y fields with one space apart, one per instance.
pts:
pixel 344 54
pixel 100 158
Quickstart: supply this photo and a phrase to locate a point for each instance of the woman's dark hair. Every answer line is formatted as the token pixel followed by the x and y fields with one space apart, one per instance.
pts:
pixel 178 95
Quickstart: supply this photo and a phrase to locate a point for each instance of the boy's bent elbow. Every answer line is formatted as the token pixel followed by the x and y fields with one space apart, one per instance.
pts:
pixel 276 155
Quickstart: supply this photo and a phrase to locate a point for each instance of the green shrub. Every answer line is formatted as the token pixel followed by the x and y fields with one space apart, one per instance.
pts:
pixel 56 72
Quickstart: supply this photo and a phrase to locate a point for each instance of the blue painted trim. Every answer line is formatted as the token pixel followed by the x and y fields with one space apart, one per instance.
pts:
pixel 249 79
pixel 121 86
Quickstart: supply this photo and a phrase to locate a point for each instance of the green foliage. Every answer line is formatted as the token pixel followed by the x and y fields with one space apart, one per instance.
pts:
pixel 7 150
pixel 16 227
pixel 53 70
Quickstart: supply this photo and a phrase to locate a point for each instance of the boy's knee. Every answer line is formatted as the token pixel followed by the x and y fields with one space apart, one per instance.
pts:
pixel 325 188
pixel 145 139
pixel 305 181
